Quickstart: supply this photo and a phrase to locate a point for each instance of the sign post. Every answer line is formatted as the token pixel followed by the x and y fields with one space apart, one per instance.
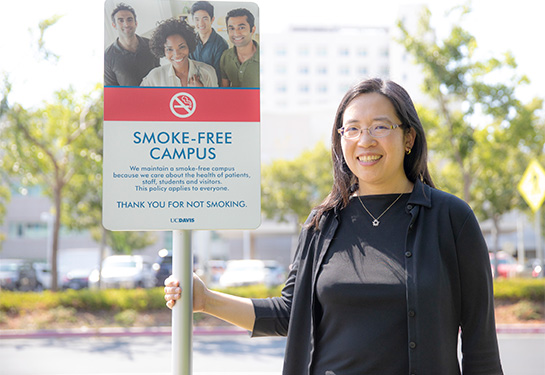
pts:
pixel 181 153
pixel 182 313
pixel 532 189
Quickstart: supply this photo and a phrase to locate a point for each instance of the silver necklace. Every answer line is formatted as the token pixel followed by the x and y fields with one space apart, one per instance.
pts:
pixel 376 222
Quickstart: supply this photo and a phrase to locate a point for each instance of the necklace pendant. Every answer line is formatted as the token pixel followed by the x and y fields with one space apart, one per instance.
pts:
pixel 376 223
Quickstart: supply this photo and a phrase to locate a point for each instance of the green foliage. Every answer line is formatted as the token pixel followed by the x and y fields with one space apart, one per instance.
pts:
pixel 527 310
pixel 128 303
pixel 253 291
pixel 4 198
pixel 56 315
pixel 294 187
pixel 520 289
pixel 84 300
pixel 126 242
pixel 49 147
pixel 126 318
pixel 43 26
pixel 480 135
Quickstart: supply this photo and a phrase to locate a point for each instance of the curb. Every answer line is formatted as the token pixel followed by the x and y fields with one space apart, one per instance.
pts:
pixel 197 331
pixel 520 328
pixel 115 332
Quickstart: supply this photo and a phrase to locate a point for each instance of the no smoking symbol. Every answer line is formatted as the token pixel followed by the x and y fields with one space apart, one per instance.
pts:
pixel 183 105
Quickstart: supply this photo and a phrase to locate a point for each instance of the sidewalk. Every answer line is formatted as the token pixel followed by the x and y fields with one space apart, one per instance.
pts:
pixel 198 331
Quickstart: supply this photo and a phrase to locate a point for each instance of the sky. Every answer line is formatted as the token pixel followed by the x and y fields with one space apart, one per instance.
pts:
pixel 498 25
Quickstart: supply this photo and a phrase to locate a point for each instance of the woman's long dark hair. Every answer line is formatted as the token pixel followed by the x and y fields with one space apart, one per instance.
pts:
pixel 415 164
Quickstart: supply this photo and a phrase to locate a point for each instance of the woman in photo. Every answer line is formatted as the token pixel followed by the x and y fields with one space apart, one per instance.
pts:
pixel 388 270
pixel 174 40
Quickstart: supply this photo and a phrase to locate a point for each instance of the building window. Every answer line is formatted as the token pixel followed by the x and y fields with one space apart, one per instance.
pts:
pixel 303 69
pixel 304 88
pixel 322 70
pixel 344 51
pixel 281 69
pixel 281 88
pixel 281 51
pixel 362 70
pixel 27 230
pixel 362 52
pixel 321 51
pixel 322 88
pixel 303 50
pixel 344 70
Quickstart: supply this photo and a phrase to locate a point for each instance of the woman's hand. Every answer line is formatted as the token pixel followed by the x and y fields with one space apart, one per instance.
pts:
pixel 236 310
pixel 173 292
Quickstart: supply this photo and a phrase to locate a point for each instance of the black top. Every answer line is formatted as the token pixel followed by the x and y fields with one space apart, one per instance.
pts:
pixel 125 68
pixel 361 310
pixel 448 281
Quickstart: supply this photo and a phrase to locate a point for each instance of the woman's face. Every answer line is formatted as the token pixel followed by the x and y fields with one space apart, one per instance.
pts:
pixel 176 51
pixel 376 162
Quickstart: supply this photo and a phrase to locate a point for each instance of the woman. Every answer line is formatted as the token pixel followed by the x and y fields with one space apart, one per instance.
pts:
pixel 175 40
pixel 388 269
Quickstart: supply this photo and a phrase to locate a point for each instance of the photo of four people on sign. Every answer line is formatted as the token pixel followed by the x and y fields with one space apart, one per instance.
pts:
pixel 192 55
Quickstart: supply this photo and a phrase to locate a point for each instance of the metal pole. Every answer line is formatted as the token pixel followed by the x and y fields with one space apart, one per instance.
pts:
pixel 539 247
pixel 182 313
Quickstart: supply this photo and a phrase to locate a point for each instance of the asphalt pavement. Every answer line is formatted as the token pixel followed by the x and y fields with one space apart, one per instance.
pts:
pixel 216 351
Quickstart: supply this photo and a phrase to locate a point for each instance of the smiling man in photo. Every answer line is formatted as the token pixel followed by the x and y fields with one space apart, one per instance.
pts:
pixel 128 59
pixel 240 63
pixel 210 45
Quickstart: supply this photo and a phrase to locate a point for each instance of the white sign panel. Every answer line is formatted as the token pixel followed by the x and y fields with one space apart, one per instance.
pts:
pixel 181 127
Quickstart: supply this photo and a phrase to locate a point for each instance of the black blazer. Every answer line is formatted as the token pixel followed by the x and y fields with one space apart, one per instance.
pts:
pixel 449 288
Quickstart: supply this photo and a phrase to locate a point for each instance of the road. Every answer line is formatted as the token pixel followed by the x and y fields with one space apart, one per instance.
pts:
pixel 522 354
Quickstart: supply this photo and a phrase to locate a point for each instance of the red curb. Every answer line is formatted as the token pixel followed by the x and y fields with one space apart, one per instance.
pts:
pixel 115 332
pixel 520 328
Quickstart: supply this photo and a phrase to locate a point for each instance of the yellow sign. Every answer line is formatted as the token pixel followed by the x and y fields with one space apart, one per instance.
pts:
pixel 532 185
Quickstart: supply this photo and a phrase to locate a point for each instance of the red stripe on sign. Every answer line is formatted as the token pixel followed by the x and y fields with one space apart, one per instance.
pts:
pixel 181 104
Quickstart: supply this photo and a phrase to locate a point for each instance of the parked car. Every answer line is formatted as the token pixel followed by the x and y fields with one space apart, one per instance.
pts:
pixel 123 271
pixel 43 274
pixel 251 272
pixel 162 266
pixel 533 268
pixel 507 265
pixel 213 269
pixel 76 279
pixel 18 274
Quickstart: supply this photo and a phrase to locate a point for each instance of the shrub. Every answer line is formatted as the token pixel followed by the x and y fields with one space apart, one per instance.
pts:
pixel 526 310
pixel 140 300
pixel 126 317
pixel 253 291
pixel 84 300
pixel 520 289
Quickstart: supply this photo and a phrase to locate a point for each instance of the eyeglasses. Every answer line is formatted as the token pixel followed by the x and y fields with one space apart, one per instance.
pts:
pixel 376 130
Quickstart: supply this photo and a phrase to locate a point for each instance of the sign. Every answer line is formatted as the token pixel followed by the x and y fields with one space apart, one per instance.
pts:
pixel 532 185
pixel 180 152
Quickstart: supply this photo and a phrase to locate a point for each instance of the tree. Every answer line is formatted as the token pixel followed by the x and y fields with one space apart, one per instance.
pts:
pixel 4 198
pixel 294 187
pixel 42 147
pixel 477 128
pixel 468 94
pixel 82 204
